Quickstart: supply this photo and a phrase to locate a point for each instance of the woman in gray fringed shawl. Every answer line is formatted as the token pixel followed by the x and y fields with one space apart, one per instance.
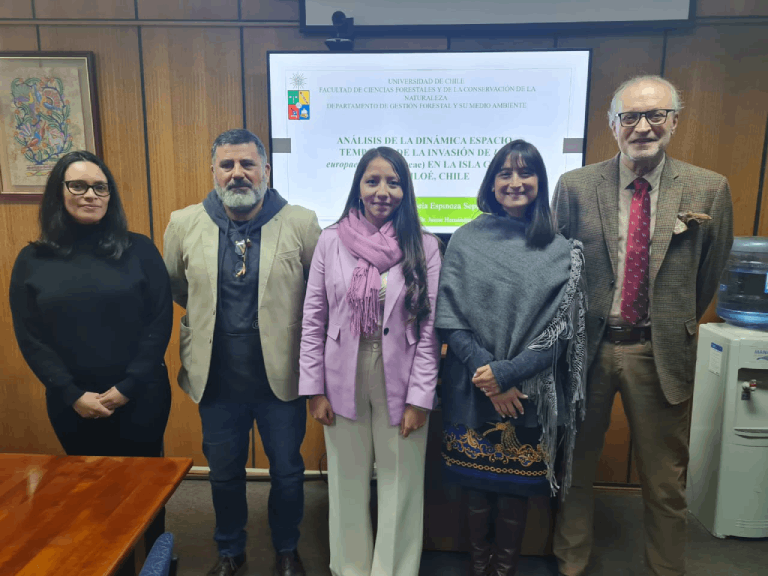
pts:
pixel 511 307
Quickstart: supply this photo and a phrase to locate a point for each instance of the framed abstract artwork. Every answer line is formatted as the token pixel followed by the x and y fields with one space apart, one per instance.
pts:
pixel 48 107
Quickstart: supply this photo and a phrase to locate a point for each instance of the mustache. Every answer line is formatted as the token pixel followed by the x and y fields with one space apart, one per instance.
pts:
pixel 241 184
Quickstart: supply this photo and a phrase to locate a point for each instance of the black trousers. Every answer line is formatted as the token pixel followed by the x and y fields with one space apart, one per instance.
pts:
pixel 102 436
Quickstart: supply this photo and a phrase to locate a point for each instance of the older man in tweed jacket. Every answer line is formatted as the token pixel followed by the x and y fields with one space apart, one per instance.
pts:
pixel 656 233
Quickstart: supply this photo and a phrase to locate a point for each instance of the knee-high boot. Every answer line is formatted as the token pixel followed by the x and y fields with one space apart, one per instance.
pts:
pixel 510 528
pixel 479 505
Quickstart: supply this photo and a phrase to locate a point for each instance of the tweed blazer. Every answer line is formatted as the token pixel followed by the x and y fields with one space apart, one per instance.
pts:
pixel 329 348
pixel 685 267
pixel 191 251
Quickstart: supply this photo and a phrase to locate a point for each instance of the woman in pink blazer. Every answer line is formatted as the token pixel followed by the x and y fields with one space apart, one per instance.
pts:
pixel 369 361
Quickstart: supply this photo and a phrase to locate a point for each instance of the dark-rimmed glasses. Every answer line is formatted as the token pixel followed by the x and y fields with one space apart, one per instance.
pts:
pixel 80 187
pixel 654 117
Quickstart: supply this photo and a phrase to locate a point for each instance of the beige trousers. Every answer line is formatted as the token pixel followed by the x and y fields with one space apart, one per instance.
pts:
pixel 659 433
pixel 352 447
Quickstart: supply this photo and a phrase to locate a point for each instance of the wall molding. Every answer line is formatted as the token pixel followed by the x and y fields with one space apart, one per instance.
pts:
pixel 404 31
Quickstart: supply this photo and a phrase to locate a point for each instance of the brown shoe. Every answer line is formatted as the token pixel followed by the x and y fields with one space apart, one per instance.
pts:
pixel 289 564
pixel 227 566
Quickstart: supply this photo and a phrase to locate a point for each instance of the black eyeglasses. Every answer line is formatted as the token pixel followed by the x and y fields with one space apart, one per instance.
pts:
pixel 242 249
pixel 80 187
pixel 654 117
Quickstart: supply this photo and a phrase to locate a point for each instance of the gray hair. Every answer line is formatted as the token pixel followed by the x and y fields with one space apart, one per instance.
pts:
pixel 677 103
pixel 239 136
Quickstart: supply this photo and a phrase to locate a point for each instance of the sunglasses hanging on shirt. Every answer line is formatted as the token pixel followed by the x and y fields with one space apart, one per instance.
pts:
pixel 242 249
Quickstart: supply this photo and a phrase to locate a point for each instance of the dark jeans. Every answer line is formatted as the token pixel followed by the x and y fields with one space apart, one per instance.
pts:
pixel 226 430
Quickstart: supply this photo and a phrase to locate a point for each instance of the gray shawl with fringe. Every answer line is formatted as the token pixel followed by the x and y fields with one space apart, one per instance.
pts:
pixel 514 297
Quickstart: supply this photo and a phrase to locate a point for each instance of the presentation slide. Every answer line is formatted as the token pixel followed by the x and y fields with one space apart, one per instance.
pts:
pixel 446 112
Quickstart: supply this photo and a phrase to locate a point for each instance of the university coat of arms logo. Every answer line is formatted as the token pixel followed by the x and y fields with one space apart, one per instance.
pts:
pixel 298 99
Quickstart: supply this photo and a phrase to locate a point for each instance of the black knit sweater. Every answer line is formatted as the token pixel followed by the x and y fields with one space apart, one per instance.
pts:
pixel 85 323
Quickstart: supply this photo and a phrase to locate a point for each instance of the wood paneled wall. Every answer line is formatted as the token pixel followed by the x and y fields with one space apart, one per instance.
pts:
pixel 172 74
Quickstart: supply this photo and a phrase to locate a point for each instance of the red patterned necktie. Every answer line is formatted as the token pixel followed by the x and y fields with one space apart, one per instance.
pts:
pixel 634 293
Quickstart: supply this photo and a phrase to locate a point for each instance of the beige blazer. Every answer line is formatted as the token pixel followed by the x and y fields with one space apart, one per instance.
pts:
pixel 191 255
pixel 685 266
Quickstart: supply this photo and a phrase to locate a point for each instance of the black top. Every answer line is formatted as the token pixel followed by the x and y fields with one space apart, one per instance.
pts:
pixel 237 372
pixel 85 323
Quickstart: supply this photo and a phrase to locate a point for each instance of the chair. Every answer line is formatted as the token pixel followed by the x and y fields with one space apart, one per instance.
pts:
pixel 158 562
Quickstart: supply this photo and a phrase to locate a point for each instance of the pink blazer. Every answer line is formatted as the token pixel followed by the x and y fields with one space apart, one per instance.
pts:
pixel 328 362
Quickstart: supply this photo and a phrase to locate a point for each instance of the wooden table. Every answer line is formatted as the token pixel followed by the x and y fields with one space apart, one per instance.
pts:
pixel 78 515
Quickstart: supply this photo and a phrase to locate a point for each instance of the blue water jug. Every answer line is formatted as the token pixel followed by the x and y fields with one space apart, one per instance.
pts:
pixel 743 296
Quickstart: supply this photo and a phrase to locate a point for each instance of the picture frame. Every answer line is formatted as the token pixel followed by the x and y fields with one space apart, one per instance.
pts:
pixel 48 107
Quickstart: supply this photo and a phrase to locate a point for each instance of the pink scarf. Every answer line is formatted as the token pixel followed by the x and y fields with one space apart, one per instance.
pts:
pixel 376 250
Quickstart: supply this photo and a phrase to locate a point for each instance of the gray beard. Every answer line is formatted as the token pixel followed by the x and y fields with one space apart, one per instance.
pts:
pixel 239 202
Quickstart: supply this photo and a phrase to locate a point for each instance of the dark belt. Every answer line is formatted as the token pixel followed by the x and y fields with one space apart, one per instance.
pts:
pixel 627 334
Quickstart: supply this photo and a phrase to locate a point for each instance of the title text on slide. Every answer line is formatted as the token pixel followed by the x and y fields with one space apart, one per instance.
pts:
pixel 429 157
pixel 428 140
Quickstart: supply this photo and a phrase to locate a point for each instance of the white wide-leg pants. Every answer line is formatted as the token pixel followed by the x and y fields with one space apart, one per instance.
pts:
pixel 352 447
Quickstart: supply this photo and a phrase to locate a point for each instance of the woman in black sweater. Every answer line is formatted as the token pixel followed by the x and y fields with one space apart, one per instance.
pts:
pixel 92 312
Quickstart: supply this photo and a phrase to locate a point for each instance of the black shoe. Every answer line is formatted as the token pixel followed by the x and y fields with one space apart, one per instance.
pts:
pixel 289 564
pixel 510 528
pixel 479 524
pixel 227 566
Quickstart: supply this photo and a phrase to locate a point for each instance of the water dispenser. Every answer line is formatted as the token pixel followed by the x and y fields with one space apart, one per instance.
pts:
pixel 727 488
pixel 742 299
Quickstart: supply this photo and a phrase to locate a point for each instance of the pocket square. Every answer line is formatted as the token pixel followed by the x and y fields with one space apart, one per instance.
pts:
pixel 685 218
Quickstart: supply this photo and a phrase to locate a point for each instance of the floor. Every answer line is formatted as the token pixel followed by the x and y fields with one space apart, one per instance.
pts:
pixel 618 539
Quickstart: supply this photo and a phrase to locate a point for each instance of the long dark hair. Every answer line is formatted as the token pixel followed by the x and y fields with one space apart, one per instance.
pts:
pixel 58 230
pixel 407 229
pixel 541 228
